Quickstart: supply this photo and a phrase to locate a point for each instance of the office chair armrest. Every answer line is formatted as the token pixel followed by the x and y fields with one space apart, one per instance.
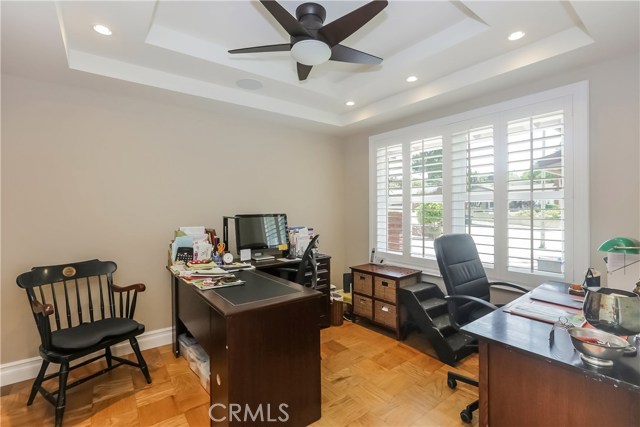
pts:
pixel 470 298
pixel 44 309
pixel 510 285
pixel 138 287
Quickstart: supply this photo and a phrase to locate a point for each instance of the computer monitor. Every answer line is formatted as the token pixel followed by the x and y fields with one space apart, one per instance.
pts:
pixel 261 232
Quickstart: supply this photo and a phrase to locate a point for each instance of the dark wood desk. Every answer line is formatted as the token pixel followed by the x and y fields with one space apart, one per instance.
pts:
pixel 323 285
pixel 525 381
pixel 263 340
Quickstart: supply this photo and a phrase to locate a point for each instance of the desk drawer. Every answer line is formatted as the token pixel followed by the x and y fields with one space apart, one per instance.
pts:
pixel 363 306
pixel 385 289
pixel 194 314
pixel 385 314
pixel 362 283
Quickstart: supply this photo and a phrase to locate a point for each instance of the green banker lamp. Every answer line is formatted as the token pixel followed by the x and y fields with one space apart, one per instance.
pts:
pixel 622 245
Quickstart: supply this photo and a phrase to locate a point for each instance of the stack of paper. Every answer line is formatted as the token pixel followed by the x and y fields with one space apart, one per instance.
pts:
pixel 546 313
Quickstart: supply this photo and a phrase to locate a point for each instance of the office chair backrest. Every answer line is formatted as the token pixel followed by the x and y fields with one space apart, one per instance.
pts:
pixel 308 260
pixel 462 271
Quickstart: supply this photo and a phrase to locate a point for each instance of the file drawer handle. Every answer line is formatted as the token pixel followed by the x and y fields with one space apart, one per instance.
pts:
pixel 385 283
pixel 361 277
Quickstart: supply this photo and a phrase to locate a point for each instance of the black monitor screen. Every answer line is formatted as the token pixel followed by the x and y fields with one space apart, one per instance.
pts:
pixel 261 231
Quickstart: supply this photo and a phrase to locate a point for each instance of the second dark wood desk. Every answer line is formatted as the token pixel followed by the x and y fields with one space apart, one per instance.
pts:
pixel 263 340
pixel 525 381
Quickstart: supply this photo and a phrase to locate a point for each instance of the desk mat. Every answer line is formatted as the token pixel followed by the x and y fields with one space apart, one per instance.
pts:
pixel 254 290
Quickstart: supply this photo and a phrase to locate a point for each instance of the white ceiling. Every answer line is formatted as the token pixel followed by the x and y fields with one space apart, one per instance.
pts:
pixel 451 46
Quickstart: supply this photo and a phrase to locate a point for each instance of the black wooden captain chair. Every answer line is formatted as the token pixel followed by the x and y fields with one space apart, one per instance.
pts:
pixel 78 311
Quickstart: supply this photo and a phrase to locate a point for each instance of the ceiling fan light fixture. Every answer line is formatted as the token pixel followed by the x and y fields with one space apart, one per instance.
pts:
pixel 311 52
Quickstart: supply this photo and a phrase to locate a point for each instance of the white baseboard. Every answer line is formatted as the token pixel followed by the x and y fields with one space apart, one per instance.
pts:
pixel 26 369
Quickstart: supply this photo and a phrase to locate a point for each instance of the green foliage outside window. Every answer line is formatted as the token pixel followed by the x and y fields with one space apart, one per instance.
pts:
pixel 429 215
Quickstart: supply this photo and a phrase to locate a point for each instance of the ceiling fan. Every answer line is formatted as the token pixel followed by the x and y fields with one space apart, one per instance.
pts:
pixel 313 43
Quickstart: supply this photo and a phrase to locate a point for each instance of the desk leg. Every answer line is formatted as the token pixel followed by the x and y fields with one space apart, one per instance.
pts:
pixel 177 325
pixel 483 380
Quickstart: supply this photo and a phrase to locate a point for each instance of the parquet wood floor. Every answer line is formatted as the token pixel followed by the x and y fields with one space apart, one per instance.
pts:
pixel 368 379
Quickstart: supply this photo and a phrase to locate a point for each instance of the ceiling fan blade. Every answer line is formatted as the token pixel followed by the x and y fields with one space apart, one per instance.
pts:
pixel 259 49
pixel 346 54
pixel 338 30
pixel 284 18
pixel 303 71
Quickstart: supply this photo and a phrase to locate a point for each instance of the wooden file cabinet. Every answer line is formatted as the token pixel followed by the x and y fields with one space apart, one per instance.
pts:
pixel 375 293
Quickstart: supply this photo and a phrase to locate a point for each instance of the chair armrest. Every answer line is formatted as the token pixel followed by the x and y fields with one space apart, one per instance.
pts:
pixel 44 309
pixel 138 287
pixel 470 298
pixel 126 304
pixel 510 285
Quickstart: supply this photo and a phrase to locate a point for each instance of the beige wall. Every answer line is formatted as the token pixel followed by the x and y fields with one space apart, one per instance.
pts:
pixel 614 152
pixel 90 175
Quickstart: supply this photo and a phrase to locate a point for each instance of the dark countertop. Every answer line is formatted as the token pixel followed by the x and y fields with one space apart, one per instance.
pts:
pixel 259 290
pixel 385 270
pixel 532 337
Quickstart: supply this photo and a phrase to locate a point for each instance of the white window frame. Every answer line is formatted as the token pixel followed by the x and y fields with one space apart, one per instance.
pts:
pixel 573 99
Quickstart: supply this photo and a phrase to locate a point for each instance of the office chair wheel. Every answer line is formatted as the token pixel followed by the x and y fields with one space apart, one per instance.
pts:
pixel 466 416
pixel 452 383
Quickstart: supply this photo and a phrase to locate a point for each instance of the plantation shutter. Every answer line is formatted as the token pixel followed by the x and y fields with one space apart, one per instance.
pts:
pixel 536 193
pixel 472 183
pixel 389 199
pixel 426 196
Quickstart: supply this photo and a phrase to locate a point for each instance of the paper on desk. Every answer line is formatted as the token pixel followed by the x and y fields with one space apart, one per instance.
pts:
pixel 302 241
pixel 193 231
pixel 546 313
pixel 623 271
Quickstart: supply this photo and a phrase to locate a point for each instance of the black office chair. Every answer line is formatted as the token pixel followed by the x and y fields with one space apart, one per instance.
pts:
pixel 306 273
pixel 468 292
pixel 79 300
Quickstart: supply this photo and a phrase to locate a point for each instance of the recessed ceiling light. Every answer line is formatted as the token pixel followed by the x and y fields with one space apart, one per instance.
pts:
pixel 349 103
pixel 411 79
pixel 517 35
pixel 104 30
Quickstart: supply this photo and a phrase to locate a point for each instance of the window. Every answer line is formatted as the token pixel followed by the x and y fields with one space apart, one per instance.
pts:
pixel 472 178
pixel 504 174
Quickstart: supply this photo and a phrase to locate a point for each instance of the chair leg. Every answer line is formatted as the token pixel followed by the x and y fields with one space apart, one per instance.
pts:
pixel 141 362
pixel 38 382
pixel 107 355
pixel 62 392
pixel 453 377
